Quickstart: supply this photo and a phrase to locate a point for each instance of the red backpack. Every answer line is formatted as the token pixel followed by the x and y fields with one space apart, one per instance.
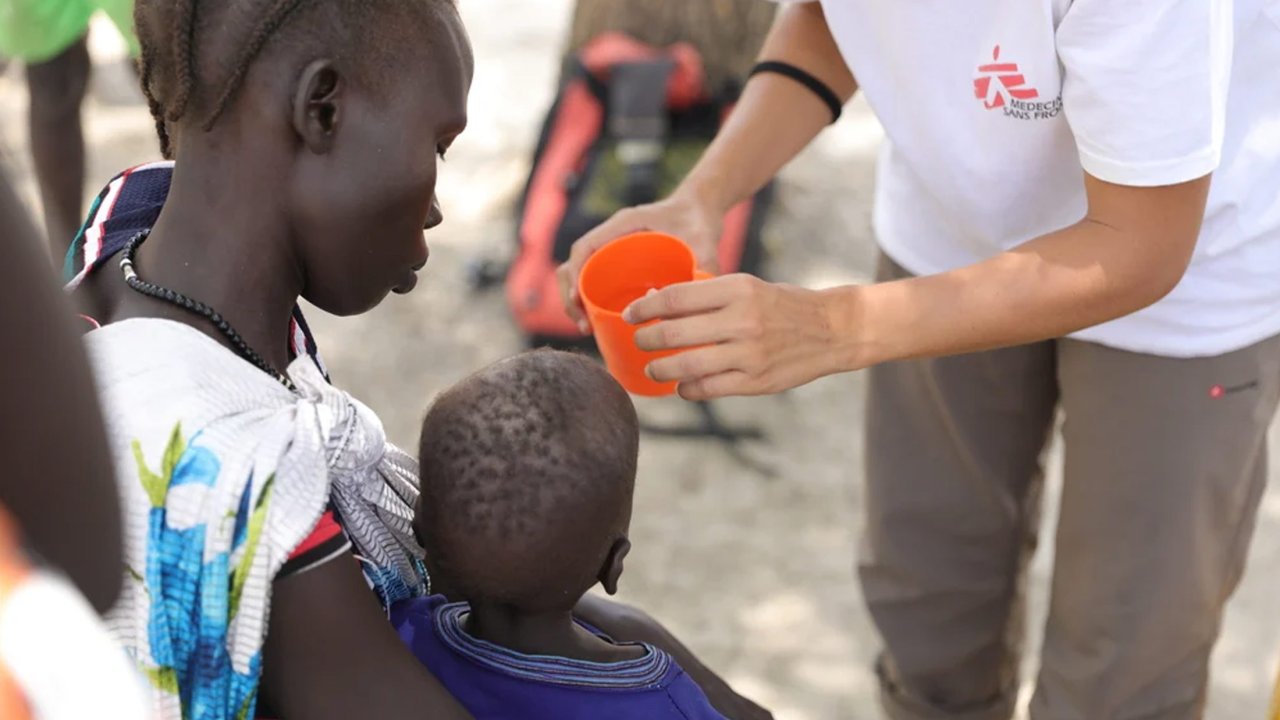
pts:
pixel 628 123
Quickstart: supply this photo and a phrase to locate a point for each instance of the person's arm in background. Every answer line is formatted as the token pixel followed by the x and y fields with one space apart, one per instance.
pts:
pixel 626 623
pixel 58 477
pixel 1130 250
pixel 756 142
pixel 1146 183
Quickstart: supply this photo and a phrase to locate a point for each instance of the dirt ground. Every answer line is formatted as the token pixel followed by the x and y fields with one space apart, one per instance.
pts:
pixel 753 569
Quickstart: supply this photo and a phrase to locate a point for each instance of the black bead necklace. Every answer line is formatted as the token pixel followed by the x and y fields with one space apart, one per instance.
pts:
pixel 196 307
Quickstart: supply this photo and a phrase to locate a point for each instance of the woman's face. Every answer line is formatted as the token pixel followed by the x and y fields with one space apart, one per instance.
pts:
pixel 364 206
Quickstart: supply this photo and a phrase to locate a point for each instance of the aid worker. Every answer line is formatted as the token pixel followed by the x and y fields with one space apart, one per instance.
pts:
pixel 1078 206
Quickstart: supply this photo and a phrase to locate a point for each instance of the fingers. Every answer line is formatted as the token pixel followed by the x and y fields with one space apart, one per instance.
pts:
pixel 735 335
pixel 623 222
pixel 567 277
pixel 708 318
pixel 696 364
pixel 717 386
pixel 734 383
pixel 684 333
pixel 688 299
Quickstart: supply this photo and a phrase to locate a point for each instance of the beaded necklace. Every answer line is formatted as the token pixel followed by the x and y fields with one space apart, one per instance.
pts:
pixel 196 307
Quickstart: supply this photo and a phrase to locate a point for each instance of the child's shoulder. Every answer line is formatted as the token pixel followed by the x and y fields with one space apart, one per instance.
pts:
pixel 646 688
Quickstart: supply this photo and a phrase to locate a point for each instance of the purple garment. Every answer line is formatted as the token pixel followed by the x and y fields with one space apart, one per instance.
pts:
pixel 494 683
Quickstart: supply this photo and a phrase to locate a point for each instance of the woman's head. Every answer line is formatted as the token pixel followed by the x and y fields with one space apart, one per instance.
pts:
pixel 342 105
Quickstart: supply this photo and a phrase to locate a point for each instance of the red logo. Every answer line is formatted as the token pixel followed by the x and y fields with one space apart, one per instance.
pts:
pixel 998 83
pixel 1217 392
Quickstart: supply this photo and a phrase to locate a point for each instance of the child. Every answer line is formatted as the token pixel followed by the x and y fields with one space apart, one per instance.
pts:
pixel 528 469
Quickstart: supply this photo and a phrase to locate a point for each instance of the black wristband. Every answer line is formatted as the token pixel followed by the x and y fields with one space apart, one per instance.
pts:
pixel 819 88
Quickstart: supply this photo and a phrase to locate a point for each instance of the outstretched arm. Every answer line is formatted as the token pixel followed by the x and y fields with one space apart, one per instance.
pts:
pixel 1146 182
pixel 1131 248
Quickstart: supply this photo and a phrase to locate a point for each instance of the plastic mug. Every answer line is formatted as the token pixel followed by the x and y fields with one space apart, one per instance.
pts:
pixel 617 275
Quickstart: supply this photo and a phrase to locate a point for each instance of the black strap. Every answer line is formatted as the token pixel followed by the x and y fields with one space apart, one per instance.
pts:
pixel 819 88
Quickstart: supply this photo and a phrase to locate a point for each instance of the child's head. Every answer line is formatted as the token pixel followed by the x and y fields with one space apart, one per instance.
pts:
pixel 527 473
pixel 334 109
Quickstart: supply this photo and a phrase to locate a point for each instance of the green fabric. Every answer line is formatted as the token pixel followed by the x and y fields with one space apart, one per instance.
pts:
pixel 38 30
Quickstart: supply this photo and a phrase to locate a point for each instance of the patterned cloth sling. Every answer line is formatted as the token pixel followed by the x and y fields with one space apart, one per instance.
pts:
pixel 223 473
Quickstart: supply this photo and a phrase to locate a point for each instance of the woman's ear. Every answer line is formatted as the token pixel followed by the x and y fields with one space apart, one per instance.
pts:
pixel 611 571
pixel 317 107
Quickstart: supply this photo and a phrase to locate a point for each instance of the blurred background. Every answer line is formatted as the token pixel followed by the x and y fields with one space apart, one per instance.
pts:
pixel 746 551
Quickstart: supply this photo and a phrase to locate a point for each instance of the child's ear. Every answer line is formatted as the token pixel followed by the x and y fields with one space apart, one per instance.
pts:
pixel 317 111
pixel 611 572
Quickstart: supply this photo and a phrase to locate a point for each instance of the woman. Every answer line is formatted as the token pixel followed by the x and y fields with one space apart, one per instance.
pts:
pixel 306 138
pixel 1043 204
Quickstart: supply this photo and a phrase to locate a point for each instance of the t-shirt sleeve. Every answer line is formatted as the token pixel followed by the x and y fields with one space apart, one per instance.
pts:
pixel 1145 86
pixel 326 542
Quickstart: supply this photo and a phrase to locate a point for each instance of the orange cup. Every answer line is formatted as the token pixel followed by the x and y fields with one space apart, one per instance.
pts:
pixel 618 274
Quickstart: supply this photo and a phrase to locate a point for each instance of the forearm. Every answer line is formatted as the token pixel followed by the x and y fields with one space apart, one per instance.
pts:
pixel 1077 277
pixel 776 117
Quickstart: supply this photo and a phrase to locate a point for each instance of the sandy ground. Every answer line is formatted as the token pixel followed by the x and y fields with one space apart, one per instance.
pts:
pixel 753 569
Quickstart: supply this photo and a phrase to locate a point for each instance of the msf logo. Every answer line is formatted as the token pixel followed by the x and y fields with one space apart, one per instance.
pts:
pixel 998 84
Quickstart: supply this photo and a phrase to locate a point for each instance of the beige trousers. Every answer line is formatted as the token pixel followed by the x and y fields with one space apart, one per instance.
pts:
pixel 1165 466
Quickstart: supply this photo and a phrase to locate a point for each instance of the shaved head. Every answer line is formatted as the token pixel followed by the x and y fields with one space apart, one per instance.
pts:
pixel 528 469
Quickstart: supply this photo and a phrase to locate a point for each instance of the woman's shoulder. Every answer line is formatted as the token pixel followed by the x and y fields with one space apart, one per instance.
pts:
pixel 175 399
pixel 160 366
pixel 153 345
pixel 128 348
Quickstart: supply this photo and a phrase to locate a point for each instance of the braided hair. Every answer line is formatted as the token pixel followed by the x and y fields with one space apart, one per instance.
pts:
pixel 173 48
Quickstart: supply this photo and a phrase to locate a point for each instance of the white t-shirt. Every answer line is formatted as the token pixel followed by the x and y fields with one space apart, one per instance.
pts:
pixel 994 109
